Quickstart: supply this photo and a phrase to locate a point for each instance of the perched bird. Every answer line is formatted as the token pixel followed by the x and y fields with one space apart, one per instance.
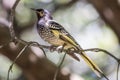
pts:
pixel 55 34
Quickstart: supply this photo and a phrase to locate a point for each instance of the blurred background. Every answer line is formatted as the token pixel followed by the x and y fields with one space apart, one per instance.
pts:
pixel 93 24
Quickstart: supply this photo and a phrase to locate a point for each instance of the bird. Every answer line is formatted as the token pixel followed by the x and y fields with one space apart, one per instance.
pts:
pixel 55 34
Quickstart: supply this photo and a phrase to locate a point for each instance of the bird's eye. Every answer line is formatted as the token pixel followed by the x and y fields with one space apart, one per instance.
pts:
pixel 41 13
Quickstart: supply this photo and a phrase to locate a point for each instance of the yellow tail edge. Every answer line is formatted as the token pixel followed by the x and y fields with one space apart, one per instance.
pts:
pixel 92 65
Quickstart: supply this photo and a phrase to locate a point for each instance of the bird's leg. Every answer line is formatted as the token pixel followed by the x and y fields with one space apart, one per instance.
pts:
pixel 60 48
pixel 59 66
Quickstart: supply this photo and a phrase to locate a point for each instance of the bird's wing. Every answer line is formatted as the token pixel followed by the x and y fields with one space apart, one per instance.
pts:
pixel 60 32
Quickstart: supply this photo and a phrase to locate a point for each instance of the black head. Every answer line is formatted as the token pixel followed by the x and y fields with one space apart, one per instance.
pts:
pixel 42 13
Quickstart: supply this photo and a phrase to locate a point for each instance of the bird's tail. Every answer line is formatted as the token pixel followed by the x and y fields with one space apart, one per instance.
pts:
pixel 92 65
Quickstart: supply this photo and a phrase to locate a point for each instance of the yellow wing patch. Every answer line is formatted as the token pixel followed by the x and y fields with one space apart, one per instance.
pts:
pixel 56 33
pixel 67 39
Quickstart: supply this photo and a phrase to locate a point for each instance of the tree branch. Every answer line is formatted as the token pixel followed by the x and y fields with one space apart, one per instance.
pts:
pixel 12 32
pixel 15 4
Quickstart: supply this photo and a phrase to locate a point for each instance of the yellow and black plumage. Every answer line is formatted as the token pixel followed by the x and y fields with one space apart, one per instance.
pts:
pixel 56 35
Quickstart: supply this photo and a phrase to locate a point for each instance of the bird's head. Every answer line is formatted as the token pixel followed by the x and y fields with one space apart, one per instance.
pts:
pixel 41 13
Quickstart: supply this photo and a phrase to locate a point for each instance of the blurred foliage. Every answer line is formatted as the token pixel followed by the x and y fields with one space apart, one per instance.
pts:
pixel 81 20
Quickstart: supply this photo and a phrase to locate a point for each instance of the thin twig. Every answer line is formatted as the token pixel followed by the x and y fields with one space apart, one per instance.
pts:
pixel 59 66
pixel 101 50
pixel 34 44
pixel 10 68
pixel 15 4
pixel 28 44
